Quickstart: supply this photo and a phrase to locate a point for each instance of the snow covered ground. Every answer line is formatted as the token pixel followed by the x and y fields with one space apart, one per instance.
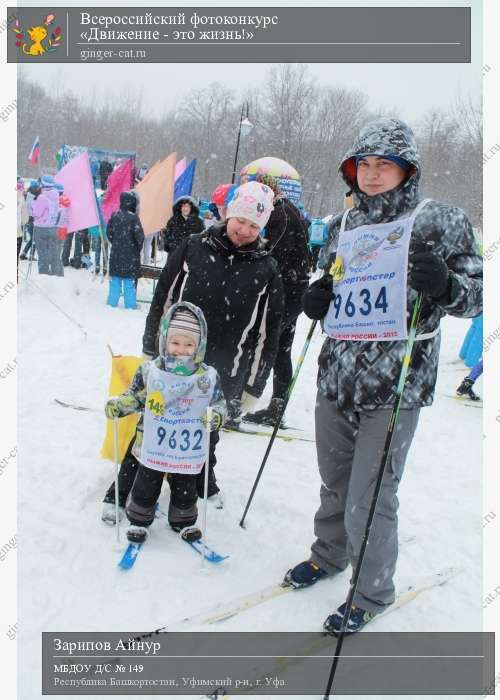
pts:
pixel 68 574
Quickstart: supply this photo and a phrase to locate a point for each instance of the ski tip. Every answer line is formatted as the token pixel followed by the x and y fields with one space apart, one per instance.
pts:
pixel 216 558
pixel 129 557
pixel 209 554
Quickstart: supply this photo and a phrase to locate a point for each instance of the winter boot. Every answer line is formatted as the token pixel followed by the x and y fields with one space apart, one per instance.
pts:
pixel 465 390
pixel 304 574
pixel 190 534
pixel 267 416
pixel 137 534
pixel 233 418
pixel 108 514
pixel 357 620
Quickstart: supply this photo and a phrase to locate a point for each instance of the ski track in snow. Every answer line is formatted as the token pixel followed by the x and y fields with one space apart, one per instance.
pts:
pixel 68 574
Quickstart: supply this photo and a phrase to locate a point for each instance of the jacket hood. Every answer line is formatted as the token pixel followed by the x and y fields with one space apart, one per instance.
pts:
pixel 128 201
pixel 176 209
pixel 165 323
pixel 384 137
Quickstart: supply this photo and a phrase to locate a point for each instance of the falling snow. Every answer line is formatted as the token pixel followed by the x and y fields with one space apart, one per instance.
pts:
pixel 440 495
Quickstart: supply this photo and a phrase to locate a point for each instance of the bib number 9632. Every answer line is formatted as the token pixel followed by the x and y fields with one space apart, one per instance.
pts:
pixel 185 440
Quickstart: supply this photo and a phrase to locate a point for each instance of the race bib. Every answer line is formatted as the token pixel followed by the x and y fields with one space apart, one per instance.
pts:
pixel 174 435
pixel 369 282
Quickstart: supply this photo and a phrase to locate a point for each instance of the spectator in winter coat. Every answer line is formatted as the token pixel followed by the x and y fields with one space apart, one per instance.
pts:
pixel 105 170
pixel 124 232
pixel 220 199
pixel 229 274
pixel 45 216
pixel 184 221
pixel 287 240
pixel 21 217
pixel 357 379
pixel 34 191
pixel 64 213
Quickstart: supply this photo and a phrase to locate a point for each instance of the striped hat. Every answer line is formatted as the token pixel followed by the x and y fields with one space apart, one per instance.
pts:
pixel 185 323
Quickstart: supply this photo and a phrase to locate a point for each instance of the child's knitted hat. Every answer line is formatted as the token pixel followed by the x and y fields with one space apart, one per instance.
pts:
pixel 184 323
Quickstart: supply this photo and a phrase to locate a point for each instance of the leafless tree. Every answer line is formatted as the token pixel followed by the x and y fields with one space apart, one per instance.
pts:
pixel 294 118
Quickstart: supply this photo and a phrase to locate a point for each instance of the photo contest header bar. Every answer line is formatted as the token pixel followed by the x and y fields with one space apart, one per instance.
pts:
pixel 239 35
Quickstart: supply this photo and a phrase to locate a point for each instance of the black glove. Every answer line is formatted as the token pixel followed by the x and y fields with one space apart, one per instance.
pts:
pixel 318 297
pixel 428 274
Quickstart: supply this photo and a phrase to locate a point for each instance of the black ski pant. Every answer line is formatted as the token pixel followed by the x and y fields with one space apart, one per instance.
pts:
pixel 19 244
pixel 82 247
pixel 139 489
pixel 31 238
pixel 68 241
pixel 282 369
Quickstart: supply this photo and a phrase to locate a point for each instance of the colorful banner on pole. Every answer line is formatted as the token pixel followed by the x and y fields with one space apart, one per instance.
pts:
pixel 180 167
pixel 79 187
pixel 34 155
pixel 118 182
pixel 156 194
pixel 184 184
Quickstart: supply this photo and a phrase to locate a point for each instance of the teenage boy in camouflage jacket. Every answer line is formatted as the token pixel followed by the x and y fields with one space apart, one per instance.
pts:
pixel 357 379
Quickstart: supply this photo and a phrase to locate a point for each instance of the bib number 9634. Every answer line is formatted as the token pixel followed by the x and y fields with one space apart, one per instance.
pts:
pixel 364 304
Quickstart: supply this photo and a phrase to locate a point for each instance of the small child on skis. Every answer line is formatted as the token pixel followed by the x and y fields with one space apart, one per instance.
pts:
pixel 172 393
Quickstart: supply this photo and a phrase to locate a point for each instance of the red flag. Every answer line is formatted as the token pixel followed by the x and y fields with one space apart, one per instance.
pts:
pixel 34 155
pixel 118 182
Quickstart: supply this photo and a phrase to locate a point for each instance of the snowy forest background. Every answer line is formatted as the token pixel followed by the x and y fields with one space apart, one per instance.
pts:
pixel 295 118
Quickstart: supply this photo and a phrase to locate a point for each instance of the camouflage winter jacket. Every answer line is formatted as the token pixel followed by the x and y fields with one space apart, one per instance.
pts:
pixel 363 375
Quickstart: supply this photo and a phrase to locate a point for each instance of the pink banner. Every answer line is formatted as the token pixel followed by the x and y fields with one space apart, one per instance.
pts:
pixel 180 167
pixel 118 182
pixel 79 187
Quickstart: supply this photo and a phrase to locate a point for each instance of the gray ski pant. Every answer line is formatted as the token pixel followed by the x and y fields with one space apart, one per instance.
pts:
pixel 49 249
pixel 349 447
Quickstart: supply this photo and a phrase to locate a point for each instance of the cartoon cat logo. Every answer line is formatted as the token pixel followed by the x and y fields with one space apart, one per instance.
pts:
pixel 38 35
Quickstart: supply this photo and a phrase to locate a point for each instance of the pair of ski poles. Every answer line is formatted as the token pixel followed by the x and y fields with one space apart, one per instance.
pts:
pixel 378 484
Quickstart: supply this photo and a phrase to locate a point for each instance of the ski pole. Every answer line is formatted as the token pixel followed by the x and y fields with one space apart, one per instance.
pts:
pixel 300 361
pixel 205 489
pixel 46 296
pixel 378 485
pixel 117 471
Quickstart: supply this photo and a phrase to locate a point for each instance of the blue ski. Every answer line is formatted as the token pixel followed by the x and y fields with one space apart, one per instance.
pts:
pixel 210 555
pixel 197 545
pixel 130 555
